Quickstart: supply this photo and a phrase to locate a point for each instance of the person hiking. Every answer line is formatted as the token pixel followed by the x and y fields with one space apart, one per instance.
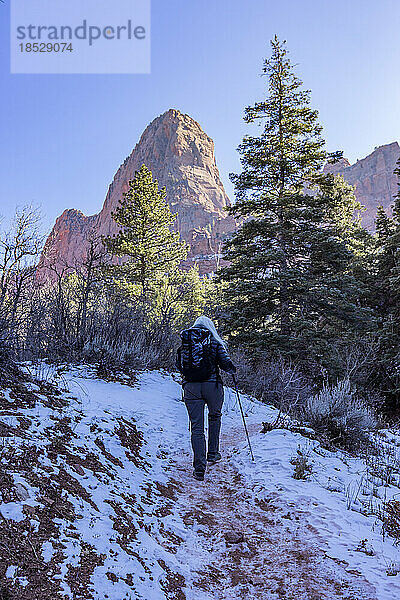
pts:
pixel 199 358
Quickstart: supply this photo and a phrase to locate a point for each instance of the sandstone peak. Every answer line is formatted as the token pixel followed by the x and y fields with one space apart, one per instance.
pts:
pixel 71 214
pixel 181 157
pixel 337 167
pixel 373 178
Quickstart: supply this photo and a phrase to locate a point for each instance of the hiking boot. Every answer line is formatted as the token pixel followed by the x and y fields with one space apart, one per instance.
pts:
pixel 213 458
pixel 199 475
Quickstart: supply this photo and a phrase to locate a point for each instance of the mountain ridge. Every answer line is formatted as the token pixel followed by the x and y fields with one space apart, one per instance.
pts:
pixel 373 178
pixel 181 156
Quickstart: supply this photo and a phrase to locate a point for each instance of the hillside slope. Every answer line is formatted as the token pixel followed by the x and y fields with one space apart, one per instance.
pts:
pixel 98 502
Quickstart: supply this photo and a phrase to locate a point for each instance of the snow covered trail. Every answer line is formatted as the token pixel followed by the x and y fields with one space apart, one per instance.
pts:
pixel 300 539
pixel 111 511
pixel 281 555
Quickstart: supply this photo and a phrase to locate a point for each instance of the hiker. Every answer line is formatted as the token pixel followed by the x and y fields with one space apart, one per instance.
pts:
pixel 198 359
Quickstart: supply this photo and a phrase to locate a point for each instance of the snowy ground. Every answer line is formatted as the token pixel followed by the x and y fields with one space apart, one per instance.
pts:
pixel 99 502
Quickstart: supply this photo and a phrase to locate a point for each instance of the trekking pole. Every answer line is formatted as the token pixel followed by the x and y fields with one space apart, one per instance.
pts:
pixel 244 420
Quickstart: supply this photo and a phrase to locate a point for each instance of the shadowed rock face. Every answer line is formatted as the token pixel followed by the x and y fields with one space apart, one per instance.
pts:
pixel 181 157
pixel 373 178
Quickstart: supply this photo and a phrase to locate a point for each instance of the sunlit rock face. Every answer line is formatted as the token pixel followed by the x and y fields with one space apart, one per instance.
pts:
pixel 373 178
pixel 181 157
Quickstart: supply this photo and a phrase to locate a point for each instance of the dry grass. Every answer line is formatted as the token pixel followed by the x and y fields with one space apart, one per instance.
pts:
pixel 391 519
pixel 302 465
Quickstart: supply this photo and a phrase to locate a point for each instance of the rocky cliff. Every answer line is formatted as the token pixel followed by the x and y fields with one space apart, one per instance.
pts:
pixel 181 156
pixel 373 178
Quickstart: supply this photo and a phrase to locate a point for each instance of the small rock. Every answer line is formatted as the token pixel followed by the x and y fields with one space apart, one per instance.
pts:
pixel 256 580
pixel 266 427
pixel 79 469
pixel 392 570
pixel 234 537
pixel 29 510
pixel 47 500
pixel 365 548
pixel 21 491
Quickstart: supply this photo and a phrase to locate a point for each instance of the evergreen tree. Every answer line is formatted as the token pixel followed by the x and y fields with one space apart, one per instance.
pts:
pixel 182 297
pixel 385 261
pixel 386 296
pixel 290 284
pixel 388 256
pixel 346 211
pixel 148 247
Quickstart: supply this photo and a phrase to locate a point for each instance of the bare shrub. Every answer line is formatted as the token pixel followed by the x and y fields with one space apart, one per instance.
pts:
pixel 383 461
pixel 336 411
pixel 273 380
pixel 355 359
pixel 391 519
pixel 120 335
pixel 137 350
pixel 19 249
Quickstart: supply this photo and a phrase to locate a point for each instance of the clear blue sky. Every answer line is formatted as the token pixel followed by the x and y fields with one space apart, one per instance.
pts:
pixel 64 136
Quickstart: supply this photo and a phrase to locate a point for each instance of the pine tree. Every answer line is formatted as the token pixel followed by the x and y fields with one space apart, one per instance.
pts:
pixel 386 296
pixel 388 255
pixel 388 233
pixel 289 283
pixel 346 214
pixel 148 247
pixel 385 261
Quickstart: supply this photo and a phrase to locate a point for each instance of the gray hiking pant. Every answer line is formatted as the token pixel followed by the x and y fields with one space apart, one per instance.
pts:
pixel 196 396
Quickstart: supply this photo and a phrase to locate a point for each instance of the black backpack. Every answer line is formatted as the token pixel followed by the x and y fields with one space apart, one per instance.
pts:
pixel 194 357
